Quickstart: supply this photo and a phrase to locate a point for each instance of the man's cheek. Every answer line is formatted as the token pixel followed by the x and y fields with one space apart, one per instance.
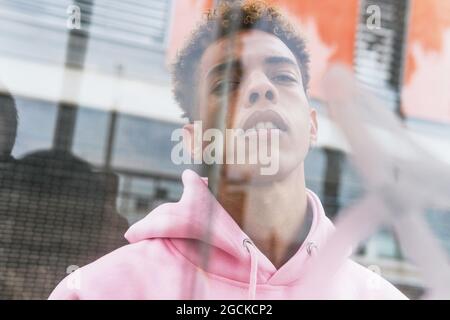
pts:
pixel 299 137
pixel 235 118
pixel 234 114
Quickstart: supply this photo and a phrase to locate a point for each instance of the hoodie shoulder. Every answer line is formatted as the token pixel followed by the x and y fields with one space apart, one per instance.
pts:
pixel 111 275
pixel 370 285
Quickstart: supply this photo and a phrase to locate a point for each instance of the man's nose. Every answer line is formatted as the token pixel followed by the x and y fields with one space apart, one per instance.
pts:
pixel 261 90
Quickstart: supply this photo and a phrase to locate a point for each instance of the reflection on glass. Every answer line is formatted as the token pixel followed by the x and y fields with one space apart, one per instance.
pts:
pixel 92 106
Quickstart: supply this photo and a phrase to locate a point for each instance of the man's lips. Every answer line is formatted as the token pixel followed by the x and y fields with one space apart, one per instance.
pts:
pixel 267 119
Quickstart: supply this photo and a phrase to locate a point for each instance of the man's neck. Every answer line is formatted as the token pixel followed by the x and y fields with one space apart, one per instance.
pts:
pixel 272 214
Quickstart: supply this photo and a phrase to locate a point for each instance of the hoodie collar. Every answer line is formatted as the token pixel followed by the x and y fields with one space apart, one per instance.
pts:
pixel 198 211
pixel 190 218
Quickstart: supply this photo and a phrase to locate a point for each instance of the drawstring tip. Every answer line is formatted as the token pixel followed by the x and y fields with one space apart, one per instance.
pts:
pixel 253 268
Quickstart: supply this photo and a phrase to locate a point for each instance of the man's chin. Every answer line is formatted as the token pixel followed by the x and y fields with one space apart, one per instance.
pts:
pixel 255 174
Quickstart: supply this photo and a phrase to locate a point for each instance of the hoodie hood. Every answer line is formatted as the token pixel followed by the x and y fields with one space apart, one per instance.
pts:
pixel 205 234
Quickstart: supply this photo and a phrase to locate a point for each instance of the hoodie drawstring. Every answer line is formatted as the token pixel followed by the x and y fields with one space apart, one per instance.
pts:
pixel 253 268
pixel 311 249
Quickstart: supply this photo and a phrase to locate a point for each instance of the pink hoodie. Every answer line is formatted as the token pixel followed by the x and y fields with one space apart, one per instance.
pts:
pixel 169 248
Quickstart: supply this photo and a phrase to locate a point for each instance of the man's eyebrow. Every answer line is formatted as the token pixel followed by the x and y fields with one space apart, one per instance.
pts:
pixel 221 68
pixel 280 60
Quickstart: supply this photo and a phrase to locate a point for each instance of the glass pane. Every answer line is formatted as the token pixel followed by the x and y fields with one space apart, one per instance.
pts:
pixel 274 145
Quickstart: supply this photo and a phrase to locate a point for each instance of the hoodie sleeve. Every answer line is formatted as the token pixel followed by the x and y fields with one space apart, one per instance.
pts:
pixel 64 291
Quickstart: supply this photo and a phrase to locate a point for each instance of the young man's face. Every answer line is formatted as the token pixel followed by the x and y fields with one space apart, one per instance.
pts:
pixel 265 91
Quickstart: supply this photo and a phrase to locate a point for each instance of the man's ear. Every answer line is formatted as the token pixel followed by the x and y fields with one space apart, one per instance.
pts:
pixel 313 128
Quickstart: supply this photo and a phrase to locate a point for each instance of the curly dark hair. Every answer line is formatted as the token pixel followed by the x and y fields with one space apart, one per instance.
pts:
pixel 226 20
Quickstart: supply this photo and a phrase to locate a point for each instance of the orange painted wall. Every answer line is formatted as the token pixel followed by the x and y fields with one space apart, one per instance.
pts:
pixel 185 15
pixel 336 22
pixel 426 91
pixel 328 26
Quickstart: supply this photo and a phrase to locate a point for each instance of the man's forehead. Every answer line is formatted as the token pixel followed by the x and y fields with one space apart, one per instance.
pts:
pixel 248 47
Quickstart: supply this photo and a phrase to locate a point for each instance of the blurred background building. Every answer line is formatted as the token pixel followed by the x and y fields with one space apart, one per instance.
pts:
pixel 96 115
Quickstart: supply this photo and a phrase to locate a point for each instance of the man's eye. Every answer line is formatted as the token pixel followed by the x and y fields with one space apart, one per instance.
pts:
pixel 285 78
pixel 224 87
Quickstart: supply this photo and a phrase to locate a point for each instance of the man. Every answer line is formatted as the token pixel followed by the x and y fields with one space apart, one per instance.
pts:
pixel 257 237
pixel 8 126
pixel 71 210
pixel 8 131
